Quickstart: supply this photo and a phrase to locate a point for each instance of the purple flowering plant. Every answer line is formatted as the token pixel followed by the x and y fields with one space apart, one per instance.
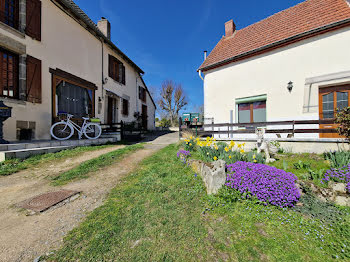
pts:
pixel 183 155
pixel 267 184
pixel 341 175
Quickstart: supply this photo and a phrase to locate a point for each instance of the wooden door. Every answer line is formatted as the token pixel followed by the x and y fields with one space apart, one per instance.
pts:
pixel 111 110
pixel 144 116
pixel 332 100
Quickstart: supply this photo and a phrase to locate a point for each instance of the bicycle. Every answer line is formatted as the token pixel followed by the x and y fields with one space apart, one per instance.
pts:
pixel 64 129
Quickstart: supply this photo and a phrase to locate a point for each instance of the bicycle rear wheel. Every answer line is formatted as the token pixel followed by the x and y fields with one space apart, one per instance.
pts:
pixel 61 131
pixel 92 131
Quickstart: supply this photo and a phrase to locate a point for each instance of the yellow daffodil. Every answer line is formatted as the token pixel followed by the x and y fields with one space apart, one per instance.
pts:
pixel 229 156
pixel 227 149
pixel 239 145
pixel 232 144
pixel 190 144
pixel 242 151
pixel 254 156
pixel 255 161
pixel 215 158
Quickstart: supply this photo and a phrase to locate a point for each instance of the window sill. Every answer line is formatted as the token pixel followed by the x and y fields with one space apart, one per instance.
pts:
pixel 115 81
pixel 13 101
pixel 12 30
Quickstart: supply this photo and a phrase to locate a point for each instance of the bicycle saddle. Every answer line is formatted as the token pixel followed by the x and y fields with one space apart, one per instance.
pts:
pixel 86 118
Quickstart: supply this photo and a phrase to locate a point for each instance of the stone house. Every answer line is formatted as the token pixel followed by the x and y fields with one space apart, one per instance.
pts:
pixel 54 58
pixel 293 65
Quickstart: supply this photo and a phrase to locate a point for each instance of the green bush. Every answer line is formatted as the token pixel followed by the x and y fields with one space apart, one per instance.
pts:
pixel 165 122
pixel 343 119
pixel 338 158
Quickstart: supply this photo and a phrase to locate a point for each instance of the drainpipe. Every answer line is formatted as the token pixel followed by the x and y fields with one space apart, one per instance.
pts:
pixel 102 76
pixel 200 71
pixel 137 97
pixel 200 74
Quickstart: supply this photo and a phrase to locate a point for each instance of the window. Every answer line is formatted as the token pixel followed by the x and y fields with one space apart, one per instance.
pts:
pixel 142 94
pixel 332 100
pixel 9 74
pixel 9 12
pixel 252 112
pixel 125 109
pixel 116 70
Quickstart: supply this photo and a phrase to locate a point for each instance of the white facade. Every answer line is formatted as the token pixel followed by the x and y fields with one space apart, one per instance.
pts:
pixel 317 62
pixel 66 45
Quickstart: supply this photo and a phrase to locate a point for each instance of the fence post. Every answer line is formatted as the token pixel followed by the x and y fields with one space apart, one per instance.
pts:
pixel 293 128
pixel 180 127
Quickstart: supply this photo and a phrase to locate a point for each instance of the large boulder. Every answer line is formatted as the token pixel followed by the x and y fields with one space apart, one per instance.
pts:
pixel 214 176
pixel 338 187
pixel 342 201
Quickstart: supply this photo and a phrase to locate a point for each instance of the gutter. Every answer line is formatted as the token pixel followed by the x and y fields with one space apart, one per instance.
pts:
pixel 275 44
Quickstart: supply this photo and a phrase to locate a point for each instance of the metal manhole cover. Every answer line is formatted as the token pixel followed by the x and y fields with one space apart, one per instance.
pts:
pixel 45 201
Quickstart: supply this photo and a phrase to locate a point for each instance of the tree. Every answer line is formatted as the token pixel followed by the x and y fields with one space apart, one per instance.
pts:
pixel 172 100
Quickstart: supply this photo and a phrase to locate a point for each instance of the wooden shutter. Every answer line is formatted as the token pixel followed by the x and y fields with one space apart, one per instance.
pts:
pixel 33 19
pixel 123 74
pixel 110 66
pixel 33 80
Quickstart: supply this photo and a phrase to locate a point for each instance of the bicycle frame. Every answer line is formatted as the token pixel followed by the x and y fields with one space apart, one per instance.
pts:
pixel 75 126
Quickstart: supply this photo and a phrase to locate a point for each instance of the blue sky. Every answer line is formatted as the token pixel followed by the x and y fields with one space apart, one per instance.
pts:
pixel 167 38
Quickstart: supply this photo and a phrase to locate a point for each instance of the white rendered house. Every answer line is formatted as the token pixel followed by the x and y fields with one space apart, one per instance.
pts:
pixel 293 65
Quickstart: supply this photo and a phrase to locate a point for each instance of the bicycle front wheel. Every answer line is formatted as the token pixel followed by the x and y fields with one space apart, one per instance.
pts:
pixel 92 131
pixel 61 131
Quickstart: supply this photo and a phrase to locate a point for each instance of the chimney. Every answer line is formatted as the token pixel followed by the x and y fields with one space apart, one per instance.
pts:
pixel 205 54
pixel 105 27
pixel 230 28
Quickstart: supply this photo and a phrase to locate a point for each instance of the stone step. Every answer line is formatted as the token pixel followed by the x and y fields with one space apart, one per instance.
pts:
pixel 112 134
pixel 25 150
pixel 25 153
pixel 55 143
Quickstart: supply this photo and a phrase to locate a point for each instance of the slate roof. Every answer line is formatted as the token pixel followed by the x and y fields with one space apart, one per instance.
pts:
pixel 291 24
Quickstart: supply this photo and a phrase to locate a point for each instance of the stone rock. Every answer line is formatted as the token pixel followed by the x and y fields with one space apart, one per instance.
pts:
pixel 342 201
pixel 338 187
pixel 214 176
pixel 327 193
pixel 196 165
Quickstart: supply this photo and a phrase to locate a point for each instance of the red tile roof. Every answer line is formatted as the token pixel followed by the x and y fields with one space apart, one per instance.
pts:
pixel 299 19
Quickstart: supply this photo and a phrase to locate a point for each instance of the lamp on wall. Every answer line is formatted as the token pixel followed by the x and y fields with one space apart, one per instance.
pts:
pixel 290 86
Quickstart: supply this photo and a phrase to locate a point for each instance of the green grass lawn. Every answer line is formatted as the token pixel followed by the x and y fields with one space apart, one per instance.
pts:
pixel 162 213
pixel 86 168
pixel 12 166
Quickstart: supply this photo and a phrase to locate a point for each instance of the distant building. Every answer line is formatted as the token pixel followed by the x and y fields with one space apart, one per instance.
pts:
pixel 54 58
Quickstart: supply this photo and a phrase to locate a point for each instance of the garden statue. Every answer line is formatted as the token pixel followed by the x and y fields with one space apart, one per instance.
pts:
pixel 264 145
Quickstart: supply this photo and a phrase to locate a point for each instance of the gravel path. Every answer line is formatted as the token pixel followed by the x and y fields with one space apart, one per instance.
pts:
pixel 24 238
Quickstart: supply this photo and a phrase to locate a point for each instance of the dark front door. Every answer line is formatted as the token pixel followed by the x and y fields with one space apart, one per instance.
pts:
pixel 144 116
pixel 111 110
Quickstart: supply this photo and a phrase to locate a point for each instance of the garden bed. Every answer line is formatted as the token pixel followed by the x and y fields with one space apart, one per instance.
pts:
pixel 161 212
